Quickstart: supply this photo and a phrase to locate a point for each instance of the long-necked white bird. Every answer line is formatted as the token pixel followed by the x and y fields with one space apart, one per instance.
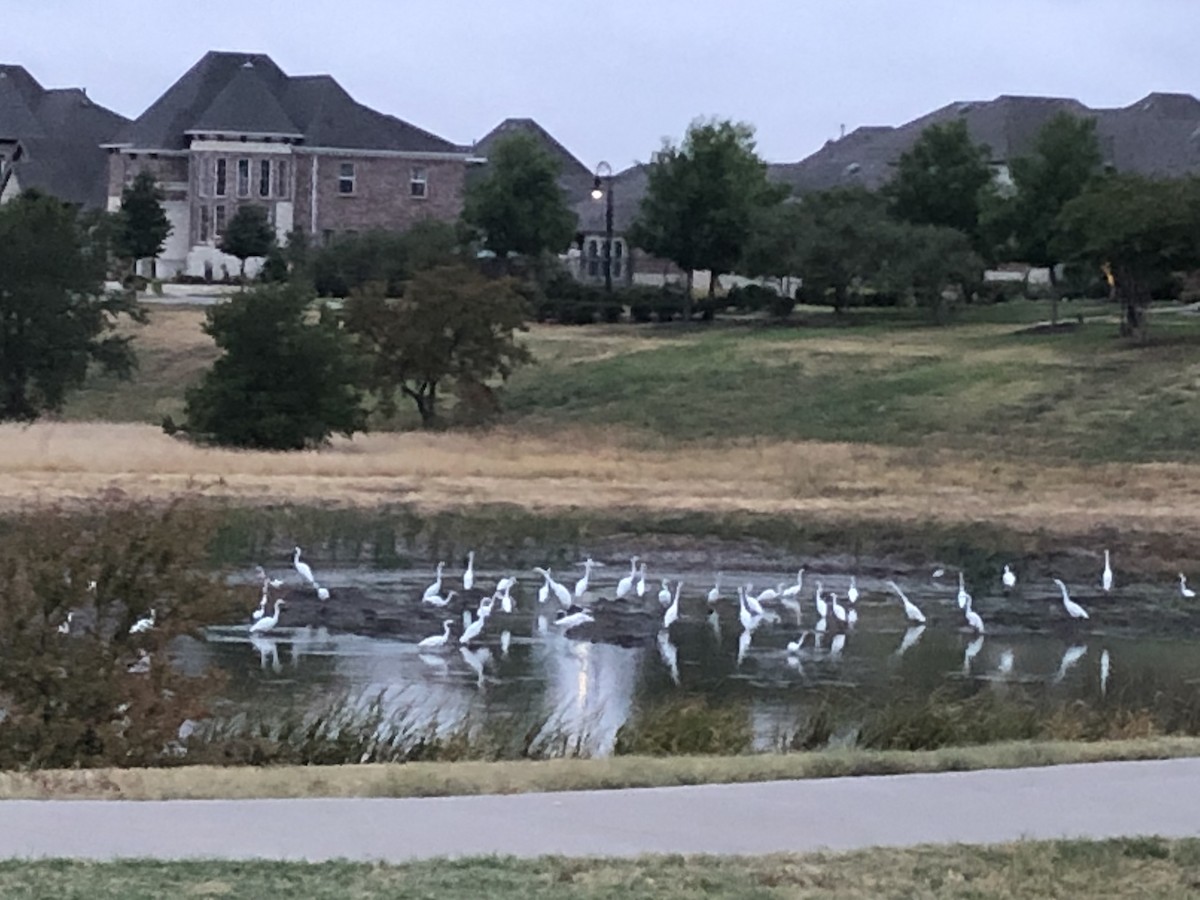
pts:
pixel 267 580
pixel 746 616
pixel 439 602
pixel 568 620
pixel 1106 577
pixel 544 590
pixel 796 645
pixel 435 589
pixel 262 607
pixel 664 594
pixel 822 609
pixel 1009 577
pixel 839 611
pixel 794 589
pixel 911 611
pixel 852 591
pixel 437 641
pixel 714 593
pixel 1074 610
pixel 473 630
pixel 625 585
pixel 469 574
pixel 641 580
pixel 1184 591
pixel 144 624
pixel 506 584
pixel 64 627
pixel 671 616
pixel 973 618
pixel 751 602
pixel 550 586
pixel 581 585
pixel 303 569
pixel 964 599
pixel 766 596
pixel 267 623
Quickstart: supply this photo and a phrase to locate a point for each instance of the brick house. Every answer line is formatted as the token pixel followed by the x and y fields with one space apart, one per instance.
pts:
pixel 235 129
pixel 50 140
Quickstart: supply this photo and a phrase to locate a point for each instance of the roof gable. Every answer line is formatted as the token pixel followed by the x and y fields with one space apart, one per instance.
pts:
pixel 245 106
pixel 19 94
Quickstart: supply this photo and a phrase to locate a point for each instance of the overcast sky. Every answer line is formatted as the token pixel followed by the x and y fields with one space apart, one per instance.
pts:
pixel 611 79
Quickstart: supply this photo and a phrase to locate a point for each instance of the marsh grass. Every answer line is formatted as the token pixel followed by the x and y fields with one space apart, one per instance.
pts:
pixel 1129 867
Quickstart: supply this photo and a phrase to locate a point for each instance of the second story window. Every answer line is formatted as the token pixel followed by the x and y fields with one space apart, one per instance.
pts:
pixel 220 179
pixel 346 178
pixel 264 178
pixel 418 185
pixel 243 186
pixel 281 178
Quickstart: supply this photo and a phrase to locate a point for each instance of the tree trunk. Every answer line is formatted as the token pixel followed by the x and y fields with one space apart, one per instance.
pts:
pixel 687 296
pixel 839 298
pixel 1134 299
pixel 1054 297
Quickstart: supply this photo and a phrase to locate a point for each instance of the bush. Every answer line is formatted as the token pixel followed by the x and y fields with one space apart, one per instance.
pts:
pixel 751 298
pixel 390 258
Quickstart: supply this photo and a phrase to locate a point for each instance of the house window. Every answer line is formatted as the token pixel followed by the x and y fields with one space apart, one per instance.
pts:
pixel 346 178
pixel 220 185
pixel 243 178
pixel 219 220
pixel 281 182
pixel 205 224
pixel 593 255
pixel 264 178
pixel 418 185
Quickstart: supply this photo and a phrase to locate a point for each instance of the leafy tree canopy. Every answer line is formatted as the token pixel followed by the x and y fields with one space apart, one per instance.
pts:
pixel 942 179
pixel 143 227
pixel 703 197
pixel 453 329
pixel 55 317
pixel 1137 228
pixel 386 258
pixel 285 380
pixel 248 233
pixel 518 206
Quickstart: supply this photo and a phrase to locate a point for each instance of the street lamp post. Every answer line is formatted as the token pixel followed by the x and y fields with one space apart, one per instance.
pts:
pixel 604 176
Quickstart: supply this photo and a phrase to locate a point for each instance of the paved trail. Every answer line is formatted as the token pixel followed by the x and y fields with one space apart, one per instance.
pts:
pixel 1097 800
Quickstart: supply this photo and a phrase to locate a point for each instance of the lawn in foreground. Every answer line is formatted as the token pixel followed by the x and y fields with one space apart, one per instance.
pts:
pixel 1133 867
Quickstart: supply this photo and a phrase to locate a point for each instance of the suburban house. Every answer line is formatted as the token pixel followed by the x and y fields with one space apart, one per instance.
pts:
pixel 50 140
pixel 235 129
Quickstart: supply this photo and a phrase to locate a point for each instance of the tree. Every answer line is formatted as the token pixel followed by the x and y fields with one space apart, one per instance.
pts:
pixel 1064 158
pixel 1138 229
pixel 248 233
pixel 925 261
pixel 143 226
pixel 452 328
pixel 518 207
pixel 55 317
pixel 942 179
pixel 388 258
pixel 702 199
pixel 285 381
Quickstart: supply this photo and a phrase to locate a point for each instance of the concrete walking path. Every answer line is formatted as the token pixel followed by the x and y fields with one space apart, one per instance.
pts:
pixel 1097 800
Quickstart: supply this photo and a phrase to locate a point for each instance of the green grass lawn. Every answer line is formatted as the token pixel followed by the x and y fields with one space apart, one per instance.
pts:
pixel 1134 867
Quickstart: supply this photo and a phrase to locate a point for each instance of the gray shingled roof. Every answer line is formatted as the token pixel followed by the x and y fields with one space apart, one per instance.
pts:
pixel 60 132
pixel 259 98
pixel 575 178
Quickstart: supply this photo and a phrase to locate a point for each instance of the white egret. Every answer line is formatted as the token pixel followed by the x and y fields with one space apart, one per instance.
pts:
pixel 938 573
pixel 625 585
pixel 671 616
pixel 852 591
pixel 911 636
pixel 1074 610
pixel 581 585
pixel 1105 668
pixel 469 574
pixel 1072 655
pixel 141 626
pixel 751 602
pixel 714 593
pixel 669 654
pixel 822 609
pixel 793 590
pixel 664 594
pixel 910 608
pixel 266 623
pixel 65 626
pixel 839 611
pixel 1009 578
pixel 641 581
pixel 437 641
pixel 794 646
pixel 1106 577
pixel 769 594
pixel 544 590
pixel 439 602
pixel 821 627
pixel 435 589
pixel 302 568
pixel 561 593
pixel 970 653
pixel 568 620
pixel 262 607
pixel 964 599
pixel 473 630
pixel 267 580
pixel 746 616
pixel 1186 592
pixel 504 585
pixel 973 619
pixel 507 604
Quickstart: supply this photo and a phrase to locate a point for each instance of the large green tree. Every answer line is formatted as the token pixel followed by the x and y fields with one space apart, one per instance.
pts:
pixel 286 379
pixel 942 180
pixel 142 225
pixel 702 200
pixel 927 262
pixel 249 233
pixel 55 316
pixel 1138 229
pixel 517 207
pixel 1023 223
pixel 451 331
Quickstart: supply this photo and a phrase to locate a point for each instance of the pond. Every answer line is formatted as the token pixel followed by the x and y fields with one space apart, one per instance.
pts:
pixel 576 689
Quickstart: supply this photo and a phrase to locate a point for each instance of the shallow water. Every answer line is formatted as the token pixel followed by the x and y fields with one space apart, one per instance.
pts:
pixel 583 690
